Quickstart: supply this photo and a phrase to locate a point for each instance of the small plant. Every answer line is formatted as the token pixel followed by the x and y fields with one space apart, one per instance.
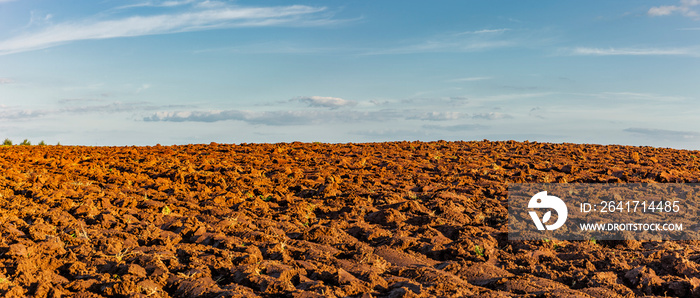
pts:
pixel 266 199
pixel 42 143
pixel 25 142
pixel 187 275
pixel 312 207
pixel 83 234
pixel 592 240
pixel 122 254
pixel 7 142
pixel 478 250
pixel 149 291
pixel 166 210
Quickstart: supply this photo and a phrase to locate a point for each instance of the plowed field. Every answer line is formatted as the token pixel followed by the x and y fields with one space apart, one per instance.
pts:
pixel 405 219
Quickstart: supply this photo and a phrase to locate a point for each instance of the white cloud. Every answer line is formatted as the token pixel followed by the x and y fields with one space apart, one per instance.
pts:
pixel 6 81
pixel 17 114
pixel 635 51
pixel 662 10
pixel 451 115
pixel 491 116
pixel 685 9
pixel 227 17
pixel 438 116
pixel 143 88
pixel 325 102
pixel 68 106
pixel 274 118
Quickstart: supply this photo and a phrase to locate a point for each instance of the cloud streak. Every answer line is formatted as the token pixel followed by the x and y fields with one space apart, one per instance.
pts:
pixel 227 17
pixel 586 51
pixel 684 8
pixel 274 118
pixel 665 134
pixel 14 113
pixel 486 31
pixel 457 127
pixel 471 41
pixel 470 79
pixel 325 102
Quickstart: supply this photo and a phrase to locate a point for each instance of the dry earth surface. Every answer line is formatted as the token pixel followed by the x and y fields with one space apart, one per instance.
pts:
pixel 404 219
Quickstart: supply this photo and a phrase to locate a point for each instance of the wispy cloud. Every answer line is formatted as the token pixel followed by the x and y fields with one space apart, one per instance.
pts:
pixel 457 127
pixel 445 46
pixel 585 51
pixel 537 112
pixel 486 31
pixel 685 8
pixel 491 116
pixel 439 116
pixel 273 118
pixel 194 20
pixel 451 115
pixel 394 134
pixel 6 81
pixel 471 79
pixel 158 4
pixel 68 107
pixel 68 101
pixel 665 134
pixel 20 114
pixel 471 41
pixel 638 96
pixel 325 102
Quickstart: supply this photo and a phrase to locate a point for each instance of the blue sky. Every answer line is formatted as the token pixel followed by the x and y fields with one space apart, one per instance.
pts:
pixel 190 71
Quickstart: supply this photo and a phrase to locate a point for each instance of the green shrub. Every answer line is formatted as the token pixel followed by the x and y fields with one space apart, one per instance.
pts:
pixel 26 142
pixel 42 143
pixel 7 142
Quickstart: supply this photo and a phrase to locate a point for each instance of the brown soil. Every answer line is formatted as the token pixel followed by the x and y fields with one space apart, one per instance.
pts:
pixel 404 219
